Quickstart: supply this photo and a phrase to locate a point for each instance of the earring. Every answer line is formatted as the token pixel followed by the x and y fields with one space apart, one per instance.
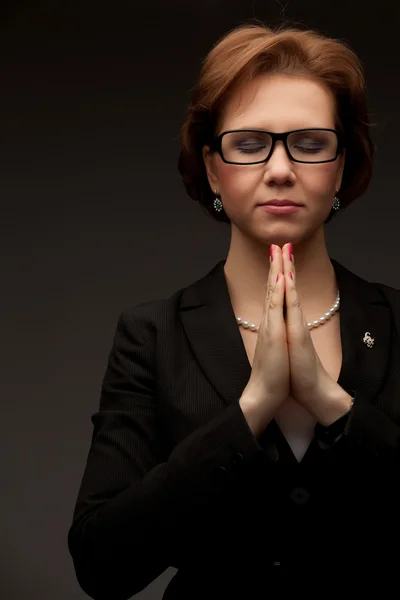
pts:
pixel 217 203
pixel 336 203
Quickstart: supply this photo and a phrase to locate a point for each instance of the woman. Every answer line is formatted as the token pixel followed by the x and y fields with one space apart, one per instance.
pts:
pixel 248 427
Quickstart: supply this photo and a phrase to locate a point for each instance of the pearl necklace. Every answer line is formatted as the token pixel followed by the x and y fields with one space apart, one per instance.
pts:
pixel 311 325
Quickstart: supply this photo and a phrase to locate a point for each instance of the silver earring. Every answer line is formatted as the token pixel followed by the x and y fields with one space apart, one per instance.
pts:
pixel 336 203
pixel 217 203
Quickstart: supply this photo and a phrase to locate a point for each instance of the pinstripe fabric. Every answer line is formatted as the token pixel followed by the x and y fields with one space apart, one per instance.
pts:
pixel 174 476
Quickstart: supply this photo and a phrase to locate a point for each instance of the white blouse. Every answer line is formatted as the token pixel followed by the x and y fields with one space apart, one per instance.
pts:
pixel 297 425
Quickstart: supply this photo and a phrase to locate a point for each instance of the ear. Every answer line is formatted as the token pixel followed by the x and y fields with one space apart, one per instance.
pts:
pixel 340 170
pixel 211 169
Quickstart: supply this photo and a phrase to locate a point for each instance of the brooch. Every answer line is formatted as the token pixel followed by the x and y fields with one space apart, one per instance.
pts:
pixel 367 339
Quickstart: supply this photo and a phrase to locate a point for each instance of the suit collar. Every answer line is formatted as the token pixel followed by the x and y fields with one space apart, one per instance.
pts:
pixel 211 328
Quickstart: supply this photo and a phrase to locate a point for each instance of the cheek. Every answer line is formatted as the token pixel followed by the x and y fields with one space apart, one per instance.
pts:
pixel 320 180
pixel 236 180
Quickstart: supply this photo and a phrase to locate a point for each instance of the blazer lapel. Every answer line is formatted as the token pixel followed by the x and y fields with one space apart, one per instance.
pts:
pixel 210 325
pixel 211 328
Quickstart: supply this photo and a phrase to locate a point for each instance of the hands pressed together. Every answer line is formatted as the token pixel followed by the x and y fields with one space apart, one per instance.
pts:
pixel 285 361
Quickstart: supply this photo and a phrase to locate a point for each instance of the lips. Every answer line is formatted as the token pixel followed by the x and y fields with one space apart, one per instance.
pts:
pixel 280 203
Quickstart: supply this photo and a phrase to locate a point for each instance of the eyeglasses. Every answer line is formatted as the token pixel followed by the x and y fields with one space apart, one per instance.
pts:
pixel 253 146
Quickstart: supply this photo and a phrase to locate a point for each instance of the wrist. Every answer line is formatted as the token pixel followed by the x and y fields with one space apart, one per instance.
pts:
pixel 336 404
pixel 257 414
pixel 327 435
pixel 251 414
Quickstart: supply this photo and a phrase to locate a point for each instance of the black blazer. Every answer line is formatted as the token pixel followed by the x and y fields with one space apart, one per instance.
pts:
pixel 175 477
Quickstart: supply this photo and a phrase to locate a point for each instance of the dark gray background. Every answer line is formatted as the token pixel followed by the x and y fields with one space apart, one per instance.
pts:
pixel 95 219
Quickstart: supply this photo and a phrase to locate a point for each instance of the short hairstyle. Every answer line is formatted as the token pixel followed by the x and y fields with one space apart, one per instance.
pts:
pixel 255 49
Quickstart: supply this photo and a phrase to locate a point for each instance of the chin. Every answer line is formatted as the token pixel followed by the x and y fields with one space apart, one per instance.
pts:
pixel 283 233
pixel 281 237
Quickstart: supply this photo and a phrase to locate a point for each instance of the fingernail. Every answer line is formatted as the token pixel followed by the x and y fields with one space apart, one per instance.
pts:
pixel 290 250
pixel 290 275
pixel 271 253
pixel 277 277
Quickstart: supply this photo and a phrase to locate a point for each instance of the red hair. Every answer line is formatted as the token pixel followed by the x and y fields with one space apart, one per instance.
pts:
pixel 251 50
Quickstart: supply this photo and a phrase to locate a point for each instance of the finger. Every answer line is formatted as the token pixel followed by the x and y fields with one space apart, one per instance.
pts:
pixel 295 318
pixel 275 297
pixel 275 267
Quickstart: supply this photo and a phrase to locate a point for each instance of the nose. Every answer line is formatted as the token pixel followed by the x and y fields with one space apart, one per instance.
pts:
pixel 279 166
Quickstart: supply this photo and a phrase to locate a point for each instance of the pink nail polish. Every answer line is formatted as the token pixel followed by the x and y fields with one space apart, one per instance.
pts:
pixel 271 252
pixel 290 275
pixel 277 277
pixel 290 251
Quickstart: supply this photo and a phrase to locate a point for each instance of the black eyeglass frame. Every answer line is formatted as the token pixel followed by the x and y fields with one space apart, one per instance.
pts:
pixel 216 144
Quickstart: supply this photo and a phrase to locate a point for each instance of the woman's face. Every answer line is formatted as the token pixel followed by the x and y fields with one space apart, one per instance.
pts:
pixel 277 103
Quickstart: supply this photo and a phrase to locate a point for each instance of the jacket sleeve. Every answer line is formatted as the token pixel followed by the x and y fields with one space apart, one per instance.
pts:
pixel 368 437
pixel 130 506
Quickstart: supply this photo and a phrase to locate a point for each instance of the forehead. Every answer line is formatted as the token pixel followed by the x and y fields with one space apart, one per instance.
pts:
pixel 279 103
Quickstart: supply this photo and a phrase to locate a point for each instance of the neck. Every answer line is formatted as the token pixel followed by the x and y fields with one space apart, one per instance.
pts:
pixel 247 269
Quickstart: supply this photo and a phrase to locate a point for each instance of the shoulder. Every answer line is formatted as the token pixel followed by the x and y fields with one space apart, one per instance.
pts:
pixel 375 291
pixel 163 313
pixel 139 331
pixel 391 297
pixel 391 293
pixel 148 317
